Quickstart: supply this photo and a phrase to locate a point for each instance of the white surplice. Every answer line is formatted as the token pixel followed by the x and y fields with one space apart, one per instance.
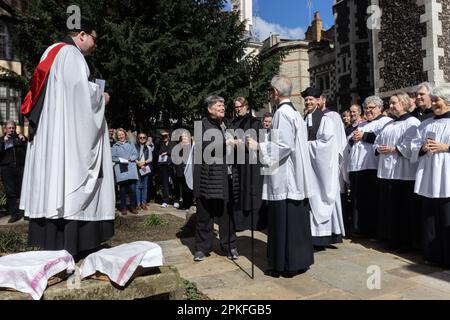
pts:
pixel 68 169
pixel 362 154
pixel 326 153
pixel 397 134
pixel 288 172
pixel 433 171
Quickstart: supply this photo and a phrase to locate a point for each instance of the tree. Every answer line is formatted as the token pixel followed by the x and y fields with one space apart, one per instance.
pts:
pixel 160 59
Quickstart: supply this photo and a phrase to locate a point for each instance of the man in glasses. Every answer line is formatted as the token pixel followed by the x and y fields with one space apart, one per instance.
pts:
pixel 68 184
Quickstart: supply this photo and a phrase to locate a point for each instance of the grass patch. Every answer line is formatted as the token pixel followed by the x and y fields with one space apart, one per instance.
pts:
pixel 13 241
pixel 191 291
pixel 155 220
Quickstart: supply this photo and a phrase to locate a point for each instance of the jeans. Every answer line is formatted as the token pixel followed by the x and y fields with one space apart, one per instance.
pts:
pixel 129 187
pixel 141 190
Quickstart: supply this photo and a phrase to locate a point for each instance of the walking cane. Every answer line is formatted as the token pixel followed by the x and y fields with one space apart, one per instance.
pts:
pixel 251 207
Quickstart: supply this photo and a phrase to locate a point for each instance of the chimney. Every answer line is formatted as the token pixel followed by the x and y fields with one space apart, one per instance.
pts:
pixel 317 27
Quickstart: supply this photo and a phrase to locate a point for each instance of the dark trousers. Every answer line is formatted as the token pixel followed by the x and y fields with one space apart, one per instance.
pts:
pixel 127 187
pixel 12 180
pixel 289 240
pixel 366 197
pixel 207 210
pixel 181 190
pixel 164 174
pixel 436 230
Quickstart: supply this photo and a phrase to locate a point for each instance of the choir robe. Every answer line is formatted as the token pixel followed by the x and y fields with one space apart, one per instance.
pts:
pixel 433 185
pixel 398 217
pixel 362 168
pixel 68 182
pixel 326 154
pixel 287 186
pixel 247 179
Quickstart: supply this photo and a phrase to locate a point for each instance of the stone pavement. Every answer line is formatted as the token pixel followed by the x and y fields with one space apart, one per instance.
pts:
pixel 341 273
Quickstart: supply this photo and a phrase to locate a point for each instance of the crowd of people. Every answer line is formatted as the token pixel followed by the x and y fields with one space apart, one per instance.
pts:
pixel 380 170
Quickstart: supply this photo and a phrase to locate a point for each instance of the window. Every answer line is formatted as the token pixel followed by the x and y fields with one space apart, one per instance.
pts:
pixel 9 103
pixel 5 42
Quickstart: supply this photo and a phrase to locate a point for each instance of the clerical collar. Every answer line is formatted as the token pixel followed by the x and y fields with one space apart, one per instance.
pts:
pixel 403 117
pixel 443 116
pixel 377 118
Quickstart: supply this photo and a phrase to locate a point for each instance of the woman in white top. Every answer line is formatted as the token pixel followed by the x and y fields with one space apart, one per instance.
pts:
pixel 362 166
pixel 398 216
pixel 432 144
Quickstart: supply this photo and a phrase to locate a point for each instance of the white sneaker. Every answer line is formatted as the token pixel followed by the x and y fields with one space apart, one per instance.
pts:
pixel 176 205
pixel 164 205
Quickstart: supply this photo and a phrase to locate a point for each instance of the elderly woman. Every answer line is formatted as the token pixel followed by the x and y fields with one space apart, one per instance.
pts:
pixel 432 146
pixel 212 183
pixel 363 165
pixel 124 156
pixel 398 215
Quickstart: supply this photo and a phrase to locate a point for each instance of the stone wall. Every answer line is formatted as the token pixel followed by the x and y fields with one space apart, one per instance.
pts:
pixel 401 44
pixel 444 40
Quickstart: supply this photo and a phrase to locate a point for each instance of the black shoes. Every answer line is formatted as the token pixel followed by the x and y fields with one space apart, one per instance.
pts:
pixel 199 256
pixel 233 254
pixel 14 218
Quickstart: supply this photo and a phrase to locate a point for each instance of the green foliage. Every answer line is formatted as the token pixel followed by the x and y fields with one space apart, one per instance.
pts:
pixel 12 241
pixel 159 60
pixel 155 220
pixel 2 196
pixel 191 291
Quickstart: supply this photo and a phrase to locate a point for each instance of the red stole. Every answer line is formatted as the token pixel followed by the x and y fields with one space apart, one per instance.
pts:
pixel 39 77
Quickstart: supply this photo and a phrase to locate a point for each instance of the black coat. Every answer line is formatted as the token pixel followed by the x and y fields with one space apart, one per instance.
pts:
pixel 247 180
pixel 210 180
pixel 14 156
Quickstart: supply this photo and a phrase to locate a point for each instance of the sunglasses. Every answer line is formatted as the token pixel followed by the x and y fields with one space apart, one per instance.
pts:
pixel 142 138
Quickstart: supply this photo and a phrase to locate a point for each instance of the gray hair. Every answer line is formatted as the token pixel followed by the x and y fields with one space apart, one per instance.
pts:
pixel 212 100
pixel 10 122
pixel 425 85
pixel 282 84
pixel 442 92
pixel 376 100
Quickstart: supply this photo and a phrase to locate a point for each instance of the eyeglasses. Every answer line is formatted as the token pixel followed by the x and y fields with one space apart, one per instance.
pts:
pixel 93 37
pixel 369 108
pixel 142 138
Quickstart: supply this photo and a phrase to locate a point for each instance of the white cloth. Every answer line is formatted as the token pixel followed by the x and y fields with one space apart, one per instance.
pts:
pixel 68 170
pixel 362 155
pixel 119 263
pixel 288 172
pixel 326 154
pixel 433 171
pixel 189 169
pixel 396 134
pixel 29 272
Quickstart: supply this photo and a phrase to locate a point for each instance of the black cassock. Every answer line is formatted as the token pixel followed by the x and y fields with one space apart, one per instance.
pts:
pixel 247 181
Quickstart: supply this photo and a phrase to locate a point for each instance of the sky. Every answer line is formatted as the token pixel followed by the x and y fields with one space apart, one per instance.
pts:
pixel 288 18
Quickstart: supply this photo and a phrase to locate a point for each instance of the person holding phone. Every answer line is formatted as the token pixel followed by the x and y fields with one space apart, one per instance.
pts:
pixel 13 149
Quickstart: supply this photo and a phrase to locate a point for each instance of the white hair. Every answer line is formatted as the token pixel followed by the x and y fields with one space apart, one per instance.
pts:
pixel 425 85
pixel 442 92
pixel 282 84
pixel 376 100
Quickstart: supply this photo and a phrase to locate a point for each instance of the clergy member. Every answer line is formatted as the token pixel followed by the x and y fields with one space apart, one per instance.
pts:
pixel 287 186
pixel 432 146
pixel 363 164
pixel 68 184
pixel 326 143
pixel 247 180
pixel 398 219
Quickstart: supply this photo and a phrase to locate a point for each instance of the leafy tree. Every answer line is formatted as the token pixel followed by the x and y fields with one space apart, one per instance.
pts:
pixel 160 58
